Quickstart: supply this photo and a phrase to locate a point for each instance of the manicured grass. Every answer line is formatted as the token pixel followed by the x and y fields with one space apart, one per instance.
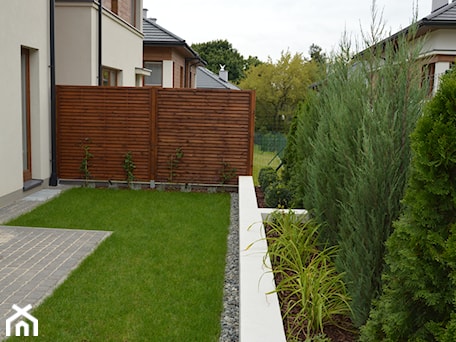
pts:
pixel 159 277
pixel 263 159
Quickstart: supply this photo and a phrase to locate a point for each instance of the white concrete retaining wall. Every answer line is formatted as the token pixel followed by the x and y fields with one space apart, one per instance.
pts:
pixel 260 316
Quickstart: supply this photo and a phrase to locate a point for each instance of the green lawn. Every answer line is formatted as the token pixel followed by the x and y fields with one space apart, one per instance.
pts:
pixel 263 159
pixel 159 277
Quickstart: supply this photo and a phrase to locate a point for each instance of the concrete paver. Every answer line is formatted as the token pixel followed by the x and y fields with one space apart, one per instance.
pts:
pixel 34 261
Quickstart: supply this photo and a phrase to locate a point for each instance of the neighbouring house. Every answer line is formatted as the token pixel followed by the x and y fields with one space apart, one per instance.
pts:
pixel 439 51
pixel 172 61
pixel 32 63
pixel 440 48
pixel 207 79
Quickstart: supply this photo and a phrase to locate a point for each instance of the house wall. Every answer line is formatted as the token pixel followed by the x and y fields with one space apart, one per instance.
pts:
pixel 77 45
pixel 24 24
pixel 440 42
pixel 173 62
pixel 122 48
pixel 440 47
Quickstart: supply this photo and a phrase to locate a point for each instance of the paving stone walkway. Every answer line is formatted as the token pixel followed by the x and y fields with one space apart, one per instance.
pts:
pixel 34 261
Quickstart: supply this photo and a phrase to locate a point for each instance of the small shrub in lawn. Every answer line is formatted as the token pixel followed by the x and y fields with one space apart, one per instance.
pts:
pixel 266 177
pixel 277 195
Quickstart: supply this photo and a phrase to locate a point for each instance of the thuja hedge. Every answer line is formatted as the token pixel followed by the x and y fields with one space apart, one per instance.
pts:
pixel 350 154
pixel 419 292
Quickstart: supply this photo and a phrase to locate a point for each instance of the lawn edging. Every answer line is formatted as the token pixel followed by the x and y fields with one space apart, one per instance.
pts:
pixel 259 313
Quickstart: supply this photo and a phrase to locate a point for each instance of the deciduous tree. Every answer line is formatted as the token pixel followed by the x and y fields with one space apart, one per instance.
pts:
pixel 280 86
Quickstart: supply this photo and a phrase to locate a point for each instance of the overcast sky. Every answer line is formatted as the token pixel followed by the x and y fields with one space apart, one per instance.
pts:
pixel 265 28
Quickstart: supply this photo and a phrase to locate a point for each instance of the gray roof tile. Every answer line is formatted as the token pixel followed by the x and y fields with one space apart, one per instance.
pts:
pixel 445 14
pixel 154 33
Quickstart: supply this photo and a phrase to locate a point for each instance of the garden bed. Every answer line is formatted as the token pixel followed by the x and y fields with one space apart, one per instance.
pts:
pixel 254 302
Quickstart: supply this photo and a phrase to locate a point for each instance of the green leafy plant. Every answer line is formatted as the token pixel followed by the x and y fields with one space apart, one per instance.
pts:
pixel 312 291
pixel 129 167
pixel 85 163
pixel 267 176
pixel 173 162
pixel 277 195
pixel 227 172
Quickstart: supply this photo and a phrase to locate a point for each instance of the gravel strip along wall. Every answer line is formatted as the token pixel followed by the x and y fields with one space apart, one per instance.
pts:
pixel 230 314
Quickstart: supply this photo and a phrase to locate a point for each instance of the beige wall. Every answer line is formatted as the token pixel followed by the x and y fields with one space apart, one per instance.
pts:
pixel 77 45
pixel 440 42
pixel 24 23
pixel 122 48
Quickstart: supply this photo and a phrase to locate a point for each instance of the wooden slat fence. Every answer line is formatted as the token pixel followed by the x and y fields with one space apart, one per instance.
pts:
pixel 213 128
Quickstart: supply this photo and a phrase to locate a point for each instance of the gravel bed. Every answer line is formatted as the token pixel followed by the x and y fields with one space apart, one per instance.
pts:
pixel 230 314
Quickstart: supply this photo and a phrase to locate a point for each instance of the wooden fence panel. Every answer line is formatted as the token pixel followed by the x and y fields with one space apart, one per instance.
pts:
pixel 213 128
pixel 111 121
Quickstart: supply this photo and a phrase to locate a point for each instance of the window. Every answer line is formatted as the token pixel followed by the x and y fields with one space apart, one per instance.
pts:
pixel 26 145
pixel 155 79
pixel 109 77
pixel 115 6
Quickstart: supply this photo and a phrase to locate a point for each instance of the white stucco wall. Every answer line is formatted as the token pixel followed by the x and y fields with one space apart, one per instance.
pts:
pixel 23 23
pixel 440 42
pixel 168 74
pixel 122 49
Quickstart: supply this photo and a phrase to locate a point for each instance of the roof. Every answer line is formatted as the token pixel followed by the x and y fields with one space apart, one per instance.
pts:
pixel 445 17
pixel 207 79
pixel 156 35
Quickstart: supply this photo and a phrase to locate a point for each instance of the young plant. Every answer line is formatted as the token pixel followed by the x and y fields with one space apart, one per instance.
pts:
pixel 227 173
pixel 129 166
pixel 173 163
pixel 85 163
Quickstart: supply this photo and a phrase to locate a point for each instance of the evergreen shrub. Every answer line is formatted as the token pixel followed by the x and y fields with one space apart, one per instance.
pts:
pixel 419 291
pixel 352 153
pixel 267 176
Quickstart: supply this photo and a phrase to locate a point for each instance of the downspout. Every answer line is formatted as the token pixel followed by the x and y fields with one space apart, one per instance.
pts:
pixel 53 181
pixel 100 65
pixel 188 68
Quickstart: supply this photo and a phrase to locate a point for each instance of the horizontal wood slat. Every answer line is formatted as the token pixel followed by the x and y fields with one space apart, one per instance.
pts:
pixel 213 128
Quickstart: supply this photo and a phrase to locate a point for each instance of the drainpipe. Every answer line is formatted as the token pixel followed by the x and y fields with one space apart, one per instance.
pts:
pixel 53 181
pixel 100 65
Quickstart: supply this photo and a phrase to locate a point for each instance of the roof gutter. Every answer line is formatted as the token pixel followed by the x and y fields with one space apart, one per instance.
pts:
pixel 53 180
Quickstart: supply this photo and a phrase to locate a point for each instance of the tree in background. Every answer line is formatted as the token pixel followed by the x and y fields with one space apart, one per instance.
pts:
pixel 419 291
pixel 221 52
pixel 280 87
pixel 316 54
pixel 352 152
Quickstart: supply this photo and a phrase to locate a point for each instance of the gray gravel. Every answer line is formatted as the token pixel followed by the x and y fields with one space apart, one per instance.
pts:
pixel 230 314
